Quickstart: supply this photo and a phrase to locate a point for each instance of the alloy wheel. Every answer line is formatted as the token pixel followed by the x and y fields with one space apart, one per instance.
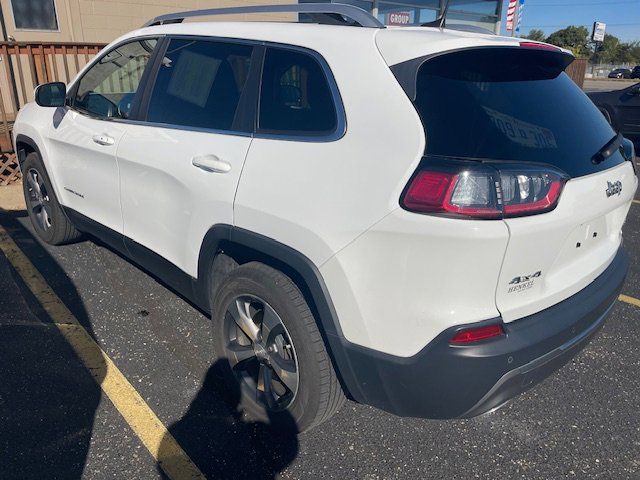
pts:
pixel 38 199
pixel 260 352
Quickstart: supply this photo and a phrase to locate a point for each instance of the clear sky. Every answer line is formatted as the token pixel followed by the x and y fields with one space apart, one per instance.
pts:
pixel 621 16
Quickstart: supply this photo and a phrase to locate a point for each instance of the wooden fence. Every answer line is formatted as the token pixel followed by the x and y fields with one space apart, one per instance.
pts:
pixel 24 66
pixel 577 71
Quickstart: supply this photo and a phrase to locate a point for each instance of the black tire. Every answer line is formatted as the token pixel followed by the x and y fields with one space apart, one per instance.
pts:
pixel 53 228
pixel 318 393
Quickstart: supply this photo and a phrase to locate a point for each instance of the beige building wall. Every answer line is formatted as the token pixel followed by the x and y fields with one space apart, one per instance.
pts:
pixel 101 21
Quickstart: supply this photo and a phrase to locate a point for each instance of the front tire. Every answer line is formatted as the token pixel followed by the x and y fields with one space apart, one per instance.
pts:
pixel 271 349
pixel 47 217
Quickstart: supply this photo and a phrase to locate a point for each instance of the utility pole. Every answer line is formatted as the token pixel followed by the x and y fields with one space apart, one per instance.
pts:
pixel 498 26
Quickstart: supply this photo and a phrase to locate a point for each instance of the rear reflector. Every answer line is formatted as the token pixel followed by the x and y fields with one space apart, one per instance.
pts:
pixel 477 334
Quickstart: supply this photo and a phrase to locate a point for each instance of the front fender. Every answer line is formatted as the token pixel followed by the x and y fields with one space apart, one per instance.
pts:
pixel 31 129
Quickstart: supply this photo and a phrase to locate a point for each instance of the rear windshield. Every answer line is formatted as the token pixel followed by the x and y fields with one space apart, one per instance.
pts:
pixel 512 104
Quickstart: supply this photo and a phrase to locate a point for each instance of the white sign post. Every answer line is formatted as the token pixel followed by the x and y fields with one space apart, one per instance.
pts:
pixel 599 30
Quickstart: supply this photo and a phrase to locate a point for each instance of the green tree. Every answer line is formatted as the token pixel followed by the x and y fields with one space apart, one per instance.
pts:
pixel 609 51
pixel 630 52
pixel 536 35
pixel 573 38
pixel 612 50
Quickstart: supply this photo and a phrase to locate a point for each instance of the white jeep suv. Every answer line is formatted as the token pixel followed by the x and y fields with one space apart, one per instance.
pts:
pixel 421 219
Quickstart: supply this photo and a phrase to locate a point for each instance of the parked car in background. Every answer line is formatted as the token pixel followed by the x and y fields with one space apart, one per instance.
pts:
pixel 620 73
pixel 621 108
pixel 635 73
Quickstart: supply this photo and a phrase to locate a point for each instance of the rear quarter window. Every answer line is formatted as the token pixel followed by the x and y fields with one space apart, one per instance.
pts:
pixel 295 97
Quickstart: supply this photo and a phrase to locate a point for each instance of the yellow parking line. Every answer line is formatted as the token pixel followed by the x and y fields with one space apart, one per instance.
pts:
pixel 636 201
pixel 142 420
pixel 630 300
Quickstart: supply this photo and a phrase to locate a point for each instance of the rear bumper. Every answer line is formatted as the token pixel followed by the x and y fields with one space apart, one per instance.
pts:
pixel 444 381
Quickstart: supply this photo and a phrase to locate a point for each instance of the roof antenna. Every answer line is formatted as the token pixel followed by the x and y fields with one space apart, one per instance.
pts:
pixel 440 21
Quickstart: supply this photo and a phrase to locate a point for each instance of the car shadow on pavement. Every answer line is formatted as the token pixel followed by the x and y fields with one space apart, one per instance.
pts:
pixel 48 399
pixel 222 443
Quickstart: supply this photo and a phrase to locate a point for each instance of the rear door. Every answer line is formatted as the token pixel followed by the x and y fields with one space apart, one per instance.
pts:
pixel 180 165
pixel 84 138
pixel 532 114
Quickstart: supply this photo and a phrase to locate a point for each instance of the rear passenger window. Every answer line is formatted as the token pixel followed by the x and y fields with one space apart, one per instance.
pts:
pixel 295 95
pixel 199 84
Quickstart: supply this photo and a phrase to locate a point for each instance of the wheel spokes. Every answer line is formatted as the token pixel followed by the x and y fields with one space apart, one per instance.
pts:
pixel 285 370
pixel 242 317
pixel 270 323
pixel 239 353
pixel 32 181
pixel 46 217
pixel 260 352
pixel 265 387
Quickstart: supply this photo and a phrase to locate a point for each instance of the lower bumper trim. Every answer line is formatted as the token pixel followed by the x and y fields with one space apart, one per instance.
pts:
pixel 526 376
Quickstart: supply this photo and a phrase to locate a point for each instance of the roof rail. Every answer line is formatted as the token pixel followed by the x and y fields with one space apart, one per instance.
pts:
pixel 333 13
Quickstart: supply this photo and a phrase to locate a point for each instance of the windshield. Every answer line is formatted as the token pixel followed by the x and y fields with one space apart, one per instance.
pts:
pixel 512 104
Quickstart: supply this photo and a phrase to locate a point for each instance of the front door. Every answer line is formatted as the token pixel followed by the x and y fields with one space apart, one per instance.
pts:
pixel 84 137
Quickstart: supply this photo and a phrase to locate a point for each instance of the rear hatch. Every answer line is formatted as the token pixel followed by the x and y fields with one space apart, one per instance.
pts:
pixel 514 105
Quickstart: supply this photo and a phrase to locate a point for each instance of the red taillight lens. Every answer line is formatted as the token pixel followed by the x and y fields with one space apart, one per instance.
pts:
pixel 476 334
pixel 428 190
pixel 466 193
pixel 483 191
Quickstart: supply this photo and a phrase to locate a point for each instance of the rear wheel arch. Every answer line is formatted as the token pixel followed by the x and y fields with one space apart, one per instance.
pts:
pixel 242 246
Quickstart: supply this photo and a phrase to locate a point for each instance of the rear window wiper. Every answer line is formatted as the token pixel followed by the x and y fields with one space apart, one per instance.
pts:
pixel 609 149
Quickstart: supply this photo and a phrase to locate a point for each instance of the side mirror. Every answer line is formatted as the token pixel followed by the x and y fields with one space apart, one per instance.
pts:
pixel 51 94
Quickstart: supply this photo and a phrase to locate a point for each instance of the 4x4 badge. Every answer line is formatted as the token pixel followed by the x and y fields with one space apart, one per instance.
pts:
pixel 614 188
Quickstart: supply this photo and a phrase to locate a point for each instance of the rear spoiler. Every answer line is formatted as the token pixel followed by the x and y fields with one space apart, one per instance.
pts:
pixel 407 72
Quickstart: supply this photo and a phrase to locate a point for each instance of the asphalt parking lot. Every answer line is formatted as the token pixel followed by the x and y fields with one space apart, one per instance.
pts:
pixel 66 413
pixel 605 84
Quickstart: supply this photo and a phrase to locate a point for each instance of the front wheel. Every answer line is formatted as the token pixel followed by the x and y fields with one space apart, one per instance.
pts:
pixel 47 217
pixel 272 351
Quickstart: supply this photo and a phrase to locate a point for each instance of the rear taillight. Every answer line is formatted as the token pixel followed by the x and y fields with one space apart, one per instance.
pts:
pixel 483 190
pixel 476 334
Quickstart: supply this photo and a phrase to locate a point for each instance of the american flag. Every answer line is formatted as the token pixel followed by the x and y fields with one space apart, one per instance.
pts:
pixel 511 12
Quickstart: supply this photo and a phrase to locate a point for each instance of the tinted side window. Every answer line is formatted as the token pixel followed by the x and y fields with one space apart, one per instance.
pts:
pixel 199 84
pixel 295 95
pixel 109 87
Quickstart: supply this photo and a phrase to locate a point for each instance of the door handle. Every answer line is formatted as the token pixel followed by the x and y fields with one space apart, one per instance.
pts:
pixel 211 163
pixel 103 139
